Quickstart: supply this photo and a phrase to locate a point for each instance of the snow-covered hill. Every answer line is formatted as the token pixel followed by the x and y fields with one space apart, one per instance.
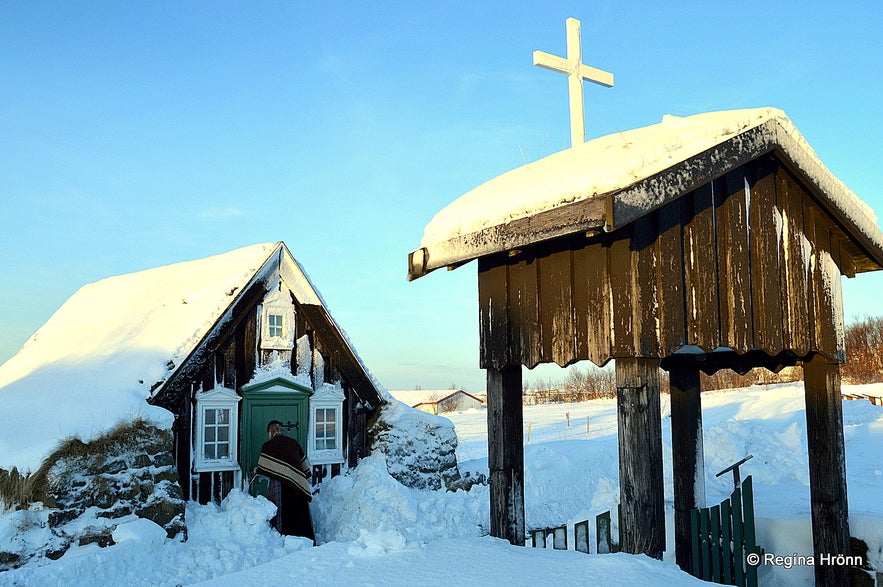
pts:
pixel 376 531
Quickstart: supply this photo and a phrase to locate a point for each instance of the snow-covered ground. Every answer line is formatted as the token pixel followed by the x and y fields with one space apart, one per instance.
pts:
pixel 375 531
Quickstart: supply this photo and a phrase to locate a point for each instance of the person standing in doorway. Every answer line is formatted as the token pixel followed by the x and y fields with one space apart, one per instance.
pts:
pixel 283 460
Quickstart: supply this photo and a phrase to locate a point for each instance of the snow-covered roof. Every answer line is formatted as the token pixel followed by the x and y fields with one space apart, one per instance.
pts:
pixel 415 397
pixel 94 362
pixel 115 343
pixel 610 181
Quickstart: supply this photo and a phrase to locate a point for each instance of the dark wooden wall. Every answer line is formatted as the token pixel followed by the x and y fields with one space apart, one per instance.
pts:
pixel 748 261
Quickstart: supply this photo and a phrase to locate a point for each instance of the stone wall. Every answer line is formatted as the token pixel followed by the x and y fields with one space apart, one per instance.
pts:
pixel 89 489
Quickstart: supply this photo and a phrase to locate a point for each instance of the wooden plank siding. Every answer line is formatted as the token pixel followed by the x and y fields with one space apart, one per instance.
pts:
pixel 734 262
pixel 765 222
pixel 670 273
pixel 748 262
pixel 700 271
pixel 795 277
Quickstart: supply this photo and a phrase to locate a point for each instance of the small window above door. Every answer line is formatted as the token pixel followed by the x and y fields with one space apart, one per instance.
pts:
pixel 277 319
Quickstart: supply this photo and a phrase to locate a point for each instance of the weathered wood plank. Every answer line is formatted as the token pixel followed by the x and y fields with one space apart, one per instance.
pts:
pixel 734 264
pixel 580 301
pixel 726 538
pixel 826 294
pixel 827 467
pixel 670 271
pixel 700 264
pixel 524 311
pixel 493 312
pixel 506 453
pixel 715 534
pixel 796 249
pixel 246 349
pixel 640 456
pixel 688 461
pixel 228 373
pixel 765 221
pixel 598 310
pixel 738 537
pixel 183 428
pixel 620 267
pixel 645 285
pixel 556 308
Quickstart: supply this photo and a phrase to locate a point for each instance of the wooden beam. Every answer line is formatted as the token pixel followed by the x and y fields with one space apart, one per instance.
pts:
pixel 640 456
pixel 688 460
pixel 827 467
pixel 506 453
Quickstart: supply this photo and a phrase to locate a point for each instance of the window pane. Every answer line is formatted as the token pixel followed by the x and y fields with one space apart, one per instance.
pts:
pixel 275 323
pixel 330 443
pixel 223 450
pixel 223 433
pixel 223 416
pixel 320 444
pixel 330 430
pixel 330 416
pixel 209 433
pixel 210 451
pixel 210 416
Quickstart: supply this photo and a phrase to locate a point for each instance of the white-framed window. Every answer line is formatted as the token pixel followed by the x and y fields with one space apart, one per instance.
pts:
pixel 325 429
pixel 325 441
pixel 277 319
pixel 216 444
pixel 274 324
pixel 217 430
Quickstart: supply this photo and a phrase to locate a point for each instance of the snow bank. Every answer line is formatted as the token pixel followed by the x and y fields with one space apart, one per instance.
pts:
pixel 368 507
pixel 222 539
pixel 376 531
pixel 573 475
pixel 460 561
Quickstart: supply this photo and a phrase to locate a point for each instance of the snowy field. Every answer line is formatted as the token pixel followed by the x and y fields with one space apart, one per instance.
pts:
pixel 374 531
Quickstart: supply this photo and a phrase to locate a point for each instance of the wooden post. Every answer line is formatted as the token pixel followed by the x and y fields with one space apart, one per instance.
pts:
pixel 506 453
pixel 688 461
pixel 827 467
pixel 640 457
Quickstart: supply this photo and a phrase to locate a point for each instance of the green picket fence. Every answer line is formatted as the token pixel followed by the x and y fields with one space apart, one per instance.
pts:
pixel 723 536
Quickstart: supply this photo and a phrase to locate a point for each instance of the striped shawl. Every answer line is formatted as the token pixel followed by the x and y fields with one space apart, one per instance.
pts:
pixel 283 459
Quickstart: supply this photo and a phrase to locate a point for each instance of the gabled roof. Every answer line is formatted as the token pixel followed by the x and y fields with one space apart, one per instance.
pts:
pixel 611 181
pixel 114 344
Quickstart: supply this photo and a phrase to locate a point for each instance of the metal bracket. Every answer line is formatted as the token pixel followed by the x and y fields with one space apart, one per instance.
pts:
pixel 737 481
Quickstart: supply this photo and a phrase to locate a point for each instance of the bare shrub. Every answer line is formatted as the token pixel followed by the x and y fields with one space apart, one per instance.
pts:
pixel 864 351
pixel 579 385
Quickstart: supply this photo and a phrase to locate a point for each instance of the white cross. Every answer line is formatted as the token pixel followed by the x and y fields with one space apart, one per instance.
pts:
pixel 576 72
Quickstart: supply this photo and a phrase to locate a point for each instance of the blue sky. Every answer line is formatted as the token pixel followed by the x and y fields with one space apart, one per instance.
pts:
pixel 139 134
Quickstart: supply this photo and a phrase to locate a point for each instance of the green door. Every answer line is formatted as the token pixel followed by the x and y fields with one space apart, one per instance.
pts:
pixel 259 407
